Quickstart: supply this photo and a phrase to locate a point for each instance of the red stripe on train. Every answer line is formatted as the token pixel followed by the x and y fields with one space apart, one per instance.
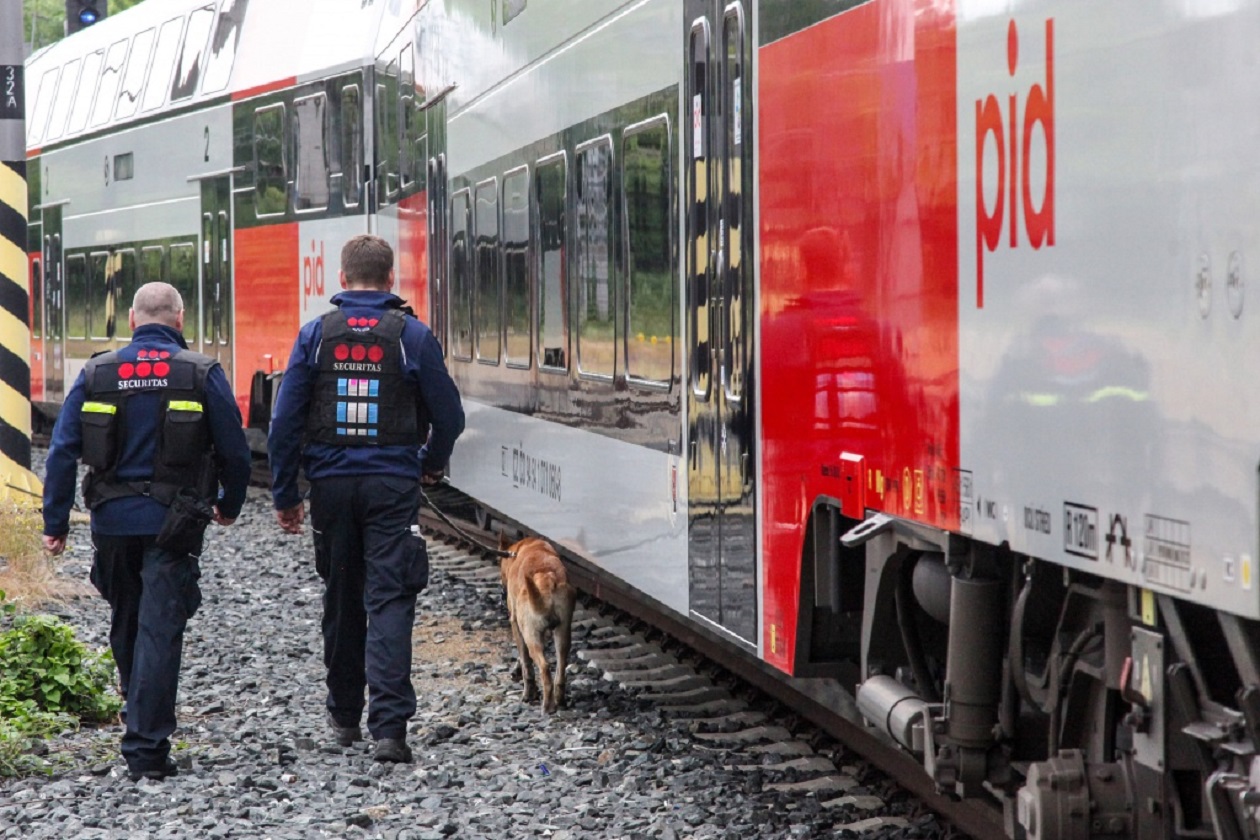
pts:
pixel 258 90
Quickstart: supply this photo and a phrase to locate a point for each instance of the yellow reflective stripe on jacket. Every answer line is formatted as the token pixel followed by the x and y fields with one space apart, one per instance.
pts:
pixel 100 408
pixel 185 405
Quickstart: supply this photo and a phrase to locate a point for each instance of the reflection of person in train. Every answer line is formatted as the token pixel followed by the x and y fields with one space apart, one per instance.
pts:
pixel 1068 392
pixel 841 339
pixel 113 269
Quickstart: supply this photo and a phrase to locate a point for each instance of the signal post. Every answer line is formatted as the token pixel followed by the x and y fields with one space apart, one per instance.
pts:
pixel 17 482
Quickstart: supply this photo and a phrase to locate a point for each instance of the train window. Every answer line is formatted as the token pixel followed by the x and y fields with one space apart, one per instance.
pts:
pixel 553 310
pixel 461 281
pixel 163 64
pixel 88 80
pixel 487 297
pixel 124 166
pixel 97 295
pixel 310 159
pixel 351 146
pixel 121 272
pixel 407 118
pixel 270 170
pixel 65 94
pixel 37 298
pixel 735 265
pixel 153 264
pixel 111 78
pixel 516 267
pixel 133 77
pixel 227 32
pixel 646 179
pixel 387 134
pixel 103 269
pixel 43 105
pixel 190 54
pixel 76 296
pixel 697 176
pixel 438 231
pixel 597 304
pixel 183 266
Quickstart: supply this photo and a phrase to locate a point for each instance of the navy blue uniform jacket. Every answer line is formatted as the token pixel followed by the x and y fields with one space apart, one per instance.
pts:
pixel 140 515
pixel 423 365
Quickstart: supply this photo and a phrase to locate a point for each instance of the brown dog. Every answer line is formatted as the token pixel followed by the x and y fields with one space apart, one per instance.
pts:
pixel 539 598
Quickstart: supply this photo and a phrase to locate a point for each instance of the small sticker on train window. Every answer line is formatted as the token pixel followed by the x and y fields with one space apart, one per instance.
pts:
pixel 737 111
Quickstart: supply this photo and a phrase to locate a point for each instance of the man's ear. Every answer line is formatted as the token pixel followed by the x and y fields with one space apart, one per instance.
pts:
pixel 341 275
pixel 179 320
pixel 131 319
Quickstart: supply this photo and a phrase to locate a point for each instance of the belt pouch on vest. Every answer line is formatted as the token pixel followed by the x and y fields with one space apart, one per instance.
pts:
pixel 99 421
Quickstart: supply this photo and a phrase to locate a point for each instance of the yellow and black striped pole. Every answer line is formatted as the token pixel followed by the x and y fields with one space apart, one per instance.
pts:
pixel 17 482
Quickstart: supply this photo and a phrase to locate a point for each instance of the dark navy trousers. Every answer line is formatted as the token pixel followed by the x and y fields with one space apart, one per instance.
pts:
pixel 151 595
pixel 373 567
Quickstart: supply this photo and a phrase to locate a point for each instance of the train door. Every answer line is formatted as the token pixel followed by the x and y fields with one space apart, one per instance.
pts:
pixel 719 307
pixel 214 334
pixel 438 224
pixel 54 305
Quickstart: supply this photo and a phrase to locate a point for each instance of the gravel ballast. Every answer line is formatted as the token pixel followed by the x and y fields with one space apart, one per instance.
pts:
pixel 257 759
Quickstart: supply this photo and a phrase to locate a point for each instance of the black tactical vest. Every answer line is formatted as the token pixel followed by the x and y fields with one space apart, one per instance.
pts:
pixel 184 457
pixel 360 397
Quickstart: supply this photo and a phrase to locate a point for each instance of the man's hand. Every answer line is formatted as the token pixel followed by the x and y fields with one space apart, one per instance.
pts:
pixel 429 479
pixel 220 519
pixel 54 545
pixel 291 519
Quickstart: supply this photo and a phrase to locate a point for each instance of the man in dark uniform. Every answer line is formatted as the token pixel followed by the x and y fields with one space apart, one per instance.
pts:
pixel 161 434
pixel 367 387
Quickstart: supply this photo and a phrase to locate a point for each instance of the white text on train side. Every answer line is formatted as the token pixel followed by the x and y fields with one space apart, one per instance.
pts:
pixel 1012 137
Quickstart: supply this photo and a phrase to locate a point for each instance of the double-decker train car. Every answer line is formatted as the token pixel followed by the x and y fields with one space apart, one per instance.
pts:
pixel 901 344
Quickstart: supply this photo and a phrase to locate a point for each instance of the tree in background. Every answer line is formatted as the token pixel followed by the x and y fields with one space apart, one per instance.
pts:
pixel 49 20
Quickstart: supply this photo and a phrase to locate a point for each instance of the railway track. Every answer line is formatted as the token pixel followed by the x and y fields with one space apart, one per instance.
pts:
pixel 730 702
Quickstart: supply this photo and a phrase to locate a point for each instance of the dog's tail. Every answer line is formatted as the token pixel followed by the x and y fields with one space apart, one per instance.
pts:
pixel 549 586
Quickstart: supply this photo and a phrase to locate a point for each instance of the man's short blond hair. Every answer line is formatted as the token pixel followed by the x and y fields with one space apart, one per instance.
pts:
pixel 157 303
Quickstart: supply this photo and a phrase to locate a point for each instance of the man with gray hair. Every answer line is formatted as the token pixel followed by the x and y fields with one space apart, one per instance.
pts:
pixel 160 432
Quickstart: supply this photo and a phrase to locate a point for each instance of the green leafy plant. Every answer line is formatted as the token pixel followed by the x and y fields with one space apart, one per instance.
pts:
pixel 49 682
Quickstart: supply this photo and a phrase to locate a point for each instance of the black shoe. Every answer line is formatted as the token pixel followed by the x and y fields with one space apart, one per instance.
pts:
pixel 345 735
pixel 394 750
pixel 169 768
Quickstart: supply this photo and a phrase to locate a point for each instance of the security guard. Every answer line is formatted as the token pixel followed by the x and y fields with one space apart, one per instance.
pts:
pixel 160 432
pixel 367 387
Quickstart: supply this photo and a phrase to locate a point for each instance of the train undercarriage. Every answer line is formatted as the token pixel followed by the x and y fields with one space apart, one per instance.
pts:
pixel 1082 707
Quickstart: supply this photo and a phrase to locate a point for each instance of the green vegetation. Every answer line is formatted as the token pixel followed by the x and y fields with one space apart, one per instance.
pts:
pixel 49 683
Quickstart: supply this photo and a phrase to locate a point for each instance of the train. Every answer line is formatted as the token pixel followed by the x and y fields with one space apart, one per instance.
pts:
pixel 896 344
